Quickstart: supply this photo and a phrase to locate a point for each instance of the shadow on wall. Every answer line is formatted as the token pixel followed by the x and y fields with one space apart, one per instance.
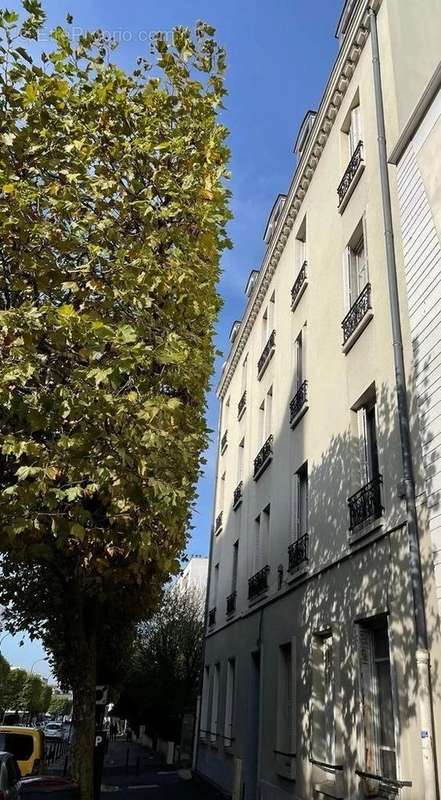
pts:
pixel 355 578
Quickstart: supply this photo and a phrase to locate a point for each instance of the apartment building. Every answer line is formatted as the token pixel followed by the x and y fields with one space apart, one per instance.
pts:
pixel 316 647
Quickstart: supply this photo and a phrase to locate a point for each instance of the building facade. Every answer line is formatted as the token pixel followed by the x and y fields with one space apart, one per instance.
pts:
pixel 194 575
pixel 311 686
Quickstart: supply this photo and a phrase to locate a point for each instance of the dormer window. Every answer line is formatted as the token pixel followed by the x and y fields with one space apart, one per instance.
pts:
pixel 345 18
pixel 251 282
pixel 274 218
pixel 304 133
pixel 234 330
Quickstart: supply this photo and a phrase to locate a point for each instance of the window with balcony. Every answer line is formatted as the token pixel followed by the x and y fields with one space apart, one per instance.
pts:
pixel 299 403
pixel 285 752
pixel 214 593
pixel 265 439
pixel 268 338
pixel 376 701
pixel 301 266
pixel 258 583
pixel 323 700
pixel 241 407
pixel 230 702
pixel 365 506
pixel 298 550
pixel 238 492
pixel 231 599
pixel 357 289
pixel 353 152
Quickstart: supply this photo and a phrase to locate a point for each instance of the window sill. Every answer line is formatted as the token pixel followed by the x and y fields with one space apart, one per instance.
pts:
pixel 352 187
pixel 264 466
pixel 295 421
pixel 364 530
pixel 299 296
pixel 328 789
pixel 255 600
pixel 347 346
pixel 286 765
pixel 302 569
pixel 262 370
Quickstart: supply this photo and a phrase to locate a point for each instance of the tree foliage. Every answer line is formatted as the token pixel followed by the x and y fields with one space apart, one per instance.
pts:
pixel 163 675
pixel 60 705
pixel 113 209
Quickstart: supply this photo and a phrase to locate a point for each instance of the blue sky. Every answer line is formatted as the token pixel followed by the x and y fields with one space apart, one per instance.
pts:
pixel 279 57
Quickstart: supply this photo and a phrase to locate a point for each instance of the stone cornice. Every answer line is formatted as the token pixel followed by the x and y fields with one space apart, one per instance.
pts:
pixel 335 90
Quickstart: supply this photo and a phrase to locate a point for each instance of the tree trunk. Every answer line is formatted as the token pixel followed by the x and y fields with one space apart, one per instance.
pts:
pixel 83 717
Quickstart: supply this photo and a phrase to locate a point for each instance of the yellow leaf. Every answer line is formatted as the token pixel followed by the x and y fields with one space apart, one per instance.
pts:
pixel 9 188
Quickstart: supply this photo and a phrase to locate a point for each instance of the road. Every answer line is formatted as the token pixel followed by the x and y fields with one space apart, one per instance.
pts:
pixel 146 778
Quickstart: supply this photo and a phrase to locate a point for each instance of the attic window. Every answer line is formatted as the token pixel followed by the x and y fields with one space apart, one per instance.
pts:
pixel 251 282
pixel 234 330
pixel 345 19
pixel 274 218
pixel 304 133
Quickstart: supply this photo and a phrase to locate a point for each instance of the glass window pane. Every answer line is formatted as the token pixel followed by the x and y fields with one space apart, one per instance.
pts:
pixel 385 704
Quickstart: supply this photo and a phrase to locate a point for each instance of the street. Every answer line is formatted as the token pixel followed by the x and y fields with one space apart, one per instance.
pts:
pixel 152 779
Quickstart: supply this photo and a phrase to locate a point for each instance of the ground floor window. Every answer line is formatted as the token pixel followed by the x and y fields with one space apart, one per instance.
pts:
pixel 323 699
pixel 376 698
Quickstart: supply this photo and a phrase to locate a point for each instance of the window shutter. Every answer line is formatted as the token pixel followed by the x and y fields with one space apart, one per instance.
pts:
pixel 363 446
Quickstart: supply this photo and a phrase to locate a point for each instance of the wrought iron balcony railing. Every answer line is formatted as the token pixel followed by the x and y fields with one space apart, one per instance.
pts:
pixel 212 617
pixel 231 603
pixel 218 525
pixel 224 442
pixel 298 403
pixel 299 285
pixel 347 182
pixel 298 553
pixel 356 313
pixel 263 458
pixel 241 406
pixel 366 504
pixel 258 583
pixel 238 495
pixel 267 354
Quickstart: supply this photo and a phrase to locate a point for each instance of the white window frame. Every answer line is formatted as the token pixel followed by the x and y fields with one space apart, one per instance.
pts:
pixel 230 702
pixel 300 510
pixel 355 268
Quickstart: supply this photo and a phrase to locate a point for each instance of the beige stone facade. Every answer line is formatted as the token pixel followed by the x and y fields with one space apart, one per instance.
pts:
pixel 310 686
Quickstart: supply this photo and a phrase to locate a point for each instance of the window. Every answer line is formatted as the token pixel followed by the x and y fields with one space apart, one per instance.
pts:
pixel 367 432
pixel 222 491
pixel 215 704
pixel 261 550
pixel 215 586
pixel 300 502
pixel 376 698
pixel 323 724
pixel 204 702
pixel 268 415
pixel 230 698
pixel 240 457
pixel 268 321
pixel 244 375
pixel 356 275
pixel 285 702
pixel 235 566
pixel 354 132
pixel 299 359
pixel 300 246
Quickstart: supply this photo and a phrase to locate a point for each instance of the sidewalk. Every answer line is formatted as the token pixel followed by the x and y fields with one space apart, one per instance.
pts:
pixel 132 772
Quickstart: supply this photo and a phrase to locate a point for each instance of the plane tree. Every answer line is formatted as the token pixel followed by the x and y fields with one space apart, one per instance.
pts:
pixel 113 213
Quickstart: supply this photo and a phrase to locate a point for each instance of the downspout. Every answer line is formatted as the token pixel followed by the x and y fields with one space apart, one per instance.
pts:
pixel 422 652
pixel 207 608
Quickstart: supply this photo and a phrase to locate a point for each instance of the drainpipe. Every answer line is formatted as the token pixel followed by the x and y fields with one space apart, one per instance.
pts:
pixel 207 608
pixel 422 652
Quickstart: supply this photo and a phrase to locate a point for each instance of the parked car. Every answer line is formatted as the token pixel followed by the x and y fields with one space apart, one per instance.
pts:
pixel 10 777
pixel 54 730
pixel 26 745
pixel 49 787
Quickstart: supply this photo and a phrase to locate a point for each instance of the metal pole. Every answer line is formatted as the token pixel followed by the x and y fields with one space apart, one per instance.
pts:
pixel 422 654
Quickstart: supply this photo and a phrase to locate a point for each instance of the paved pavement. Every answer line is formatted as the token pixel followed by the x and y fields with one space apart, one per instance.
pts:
pixel 132 772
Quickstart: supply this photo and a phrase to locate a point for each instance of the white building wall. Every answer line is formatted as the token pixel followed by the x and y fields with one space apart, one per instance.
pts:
pixel 419 187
